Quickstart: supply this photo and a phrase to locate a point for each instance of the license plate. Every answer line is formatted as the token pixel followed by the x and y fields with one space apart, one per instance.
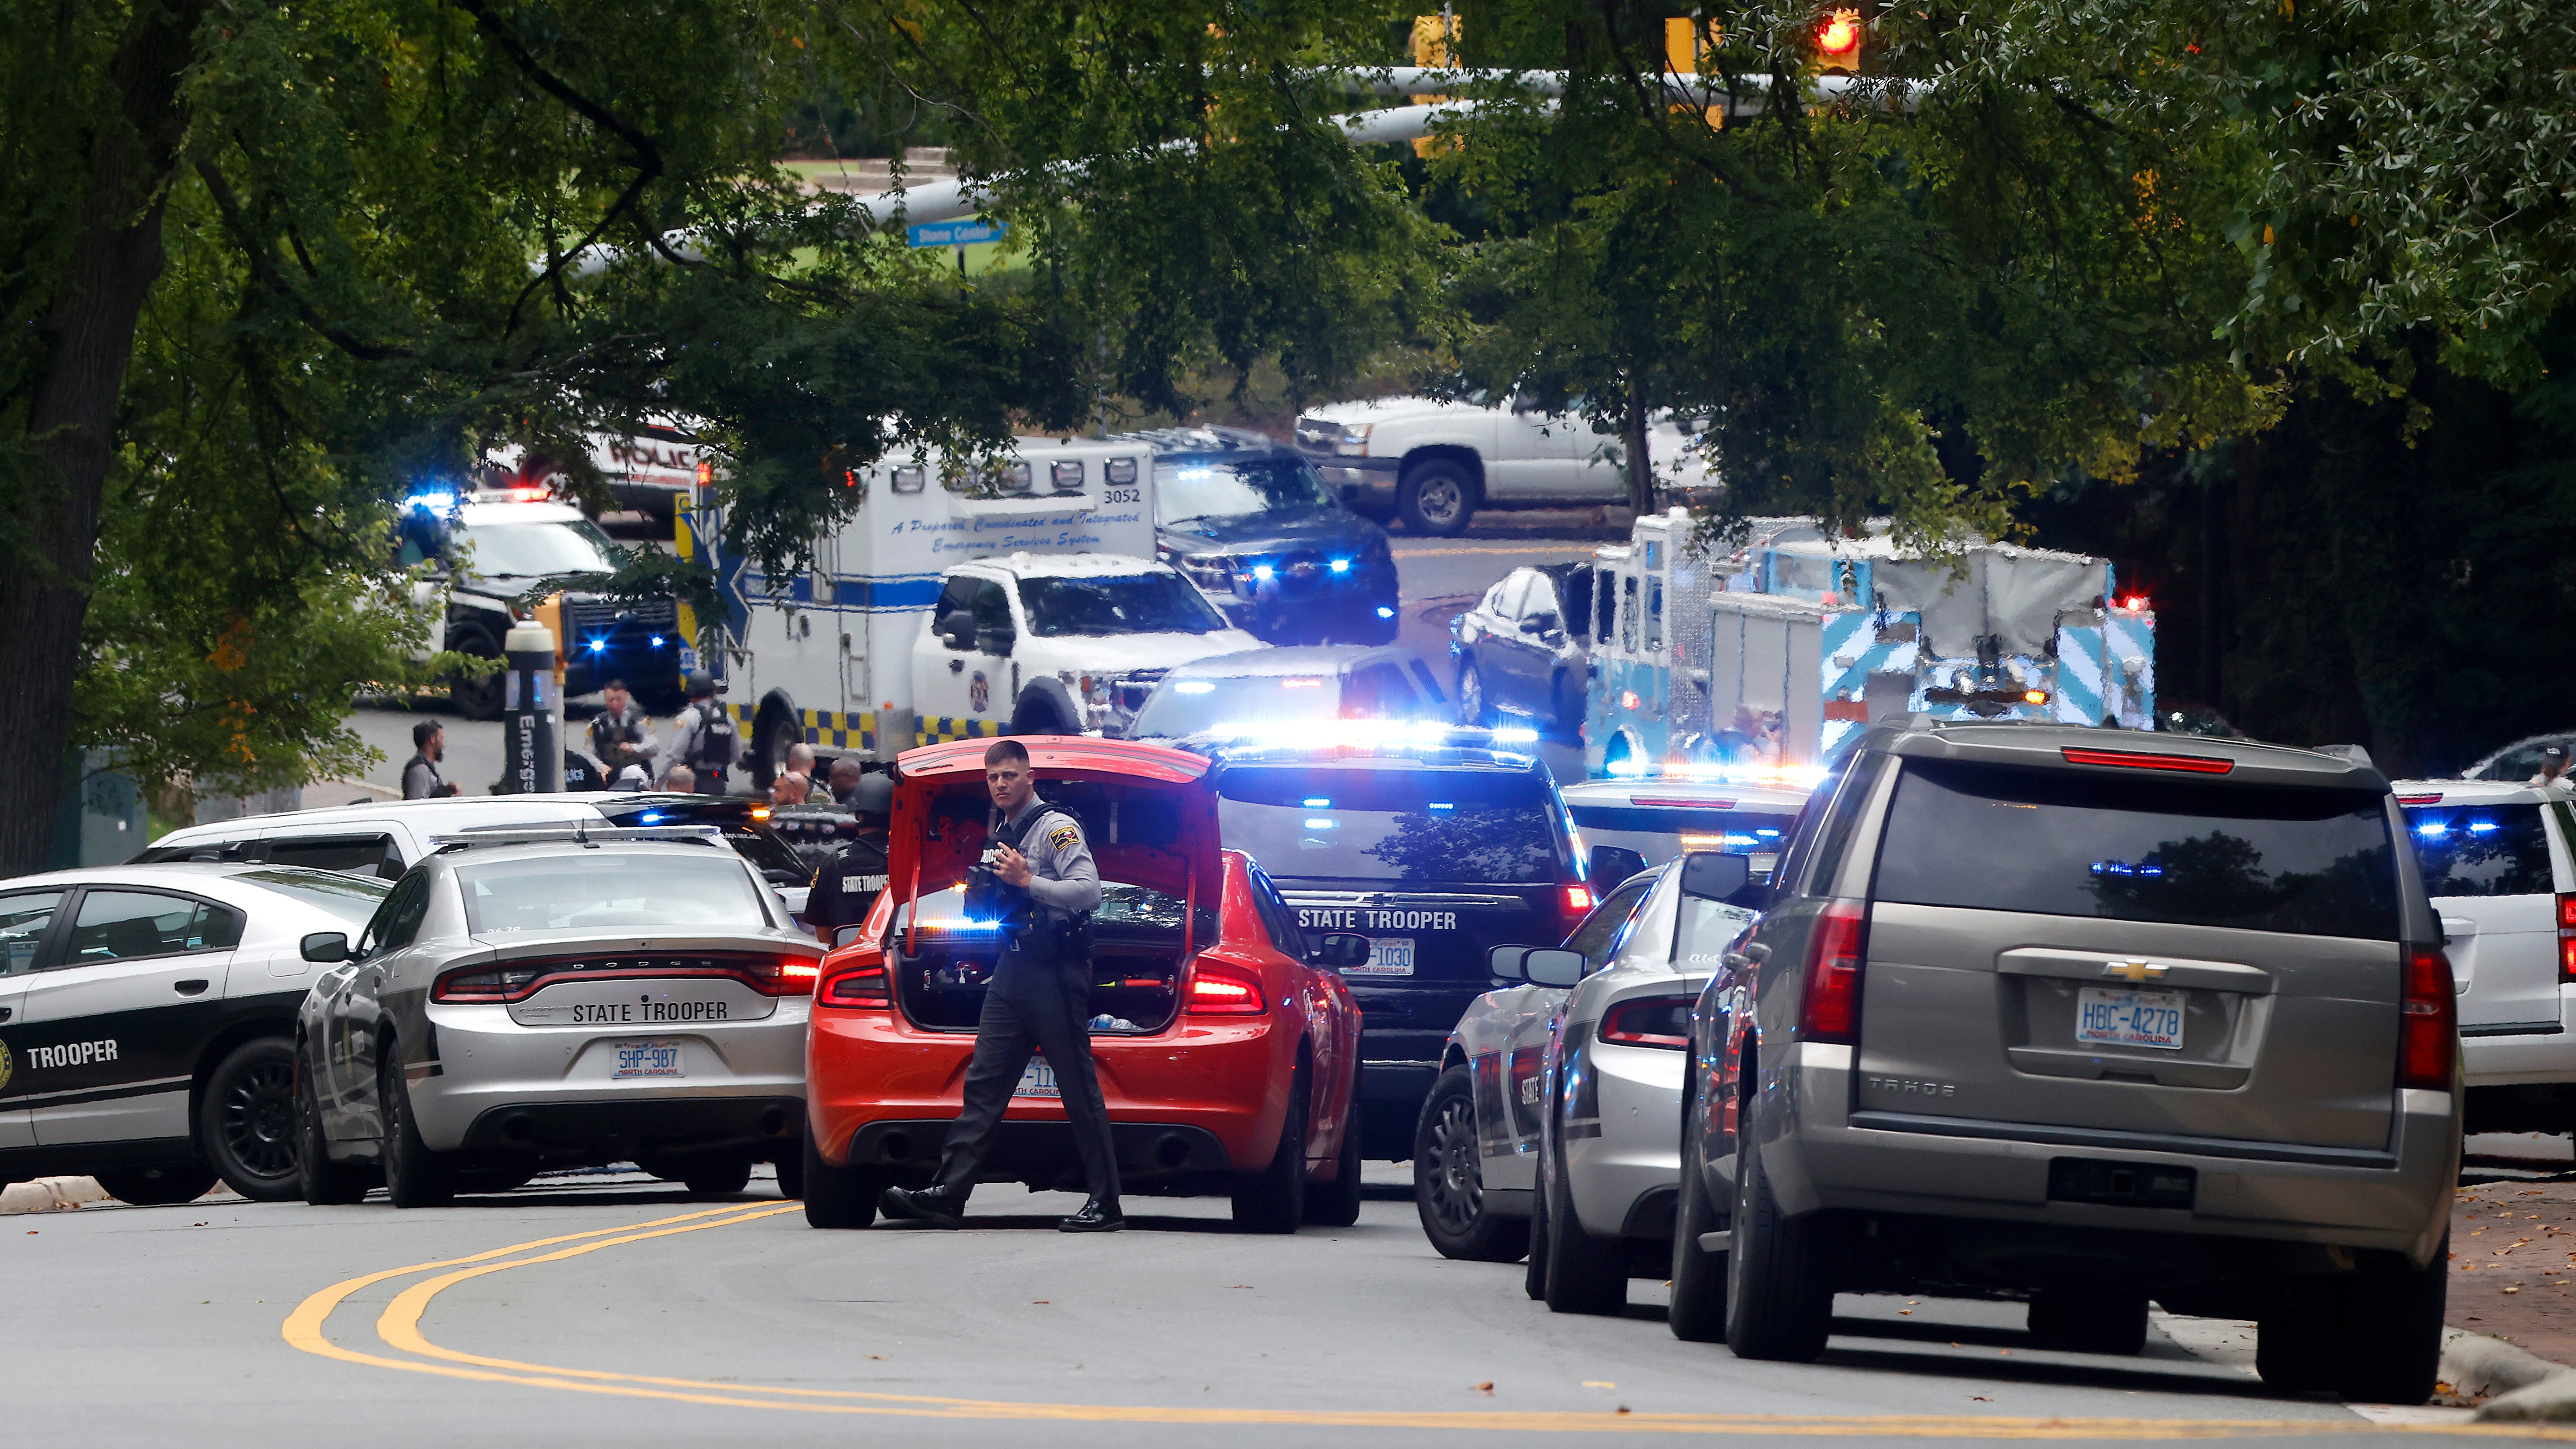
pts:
pixel 1037 1079
pixel 1388 956
pixel 2106 1017
pixel 648 1059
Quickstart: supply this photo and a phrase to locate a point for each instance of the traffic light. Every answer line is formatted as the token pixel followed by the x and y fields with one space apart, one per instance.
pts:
pixel 1838 38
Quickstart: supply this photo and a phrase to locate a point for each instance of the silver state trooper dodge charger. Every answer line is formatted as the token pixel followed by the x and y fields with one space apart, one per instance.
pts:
pixel 557 998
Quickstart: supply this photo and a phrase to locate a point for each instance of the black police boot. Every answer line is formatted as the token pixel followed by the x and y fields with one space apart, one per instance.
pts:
pixel 1096 1217
pixel 930 1205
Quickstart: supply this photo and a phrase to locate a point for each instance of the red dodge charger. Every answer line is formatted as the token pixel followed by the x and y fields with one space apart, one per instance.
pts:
pixel 1227 1046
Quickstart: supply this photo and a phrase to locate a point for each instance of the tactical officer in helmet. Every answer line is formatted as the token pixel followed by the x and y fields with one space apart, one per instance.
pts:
pixel 850 880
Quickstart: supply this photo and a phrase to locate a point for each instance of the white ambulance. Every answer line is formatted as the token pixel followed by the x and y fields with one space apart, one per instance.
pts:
pixel 1021 600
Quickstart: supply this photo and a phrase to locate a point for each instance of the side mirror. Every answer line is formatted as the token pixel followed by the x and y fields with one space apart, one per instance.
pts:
pixel 1505 962
pixel 997 641
pixel 1554 967
pixel 1709 876
pixel 1341 949
pixel 1611 864
pixel 957 629
pixel 325 947
pixel 1538 623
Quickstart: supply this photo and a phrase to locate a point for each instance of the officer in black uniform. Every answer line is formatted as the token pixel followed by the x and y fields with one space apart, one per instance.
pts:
pixel 1039 1000
pixel 850 880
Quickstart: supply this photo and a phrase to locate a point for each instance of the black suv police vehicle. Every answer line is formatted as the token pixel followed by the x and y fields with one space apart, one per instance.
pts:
pixel 1438 845
pixel 1249 521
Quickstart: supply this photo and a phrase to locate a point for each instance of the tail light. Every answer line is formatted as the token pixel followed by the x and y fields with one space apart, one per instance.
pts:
pixel 2428 1037
pixel 2567 936
pixel 501 983
pixel 2143 760
pixel 1830 1011
pixel 863 986
pixel 786 976
pixel 1578 898
pixel 1655 1021
pixel 1220 990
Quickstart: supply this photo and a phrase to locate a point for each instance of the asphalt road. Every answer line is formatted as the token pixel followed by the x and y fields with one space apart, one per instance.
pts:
pixel 620 1311
pixel 1438 577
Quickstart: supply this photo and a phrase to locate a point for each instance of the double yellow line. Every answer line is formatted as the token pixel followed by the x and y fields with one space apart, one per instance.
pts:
pixel 398 1328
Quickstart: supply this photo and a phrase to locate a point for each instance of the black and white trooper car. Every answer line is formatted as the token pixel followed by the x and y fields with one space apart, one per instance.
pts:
pixel 146 1021
pixel 556 998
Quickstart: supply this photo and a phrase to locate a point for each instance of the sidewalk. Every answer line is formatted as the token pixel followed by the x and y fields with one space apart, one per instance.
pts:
pixel 2513 1244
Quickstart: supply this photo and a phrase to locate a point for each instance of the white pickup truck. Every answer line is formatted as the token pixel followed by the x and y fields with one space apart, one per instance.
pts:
pixel 1435 463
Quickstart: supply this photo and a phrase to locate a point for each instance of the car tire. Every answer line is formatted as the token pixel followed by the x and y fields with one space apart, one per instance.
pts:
pixel 1779 1284
pixel 1436 499
pixel 477 698
pixel 769 746
pixel 1273 1200
pixel 158 1187
pixel 1336 1204
pixel 1585 1273
pixel 2389 1332
pixel 246 1124
pixel 791 1175
pixel 1448 1179
pixel 717 1179
pixel 838 1197
pixel 326 1183
pixel 1474 708
pixel 415 1177
pixel 2074 1322
pixel 1698 1310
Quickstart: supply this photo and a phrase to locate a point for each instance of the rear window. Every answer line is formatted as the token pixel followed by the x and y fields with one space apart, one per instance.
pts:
pixel 2481 850
pixel 1659 834
pixel 2050 842
pixel 1414 824
pixel 706 891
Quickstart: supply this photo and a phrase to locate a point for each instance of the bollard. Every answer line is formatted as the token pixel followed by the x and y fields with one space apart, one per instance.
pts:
pixel 532 714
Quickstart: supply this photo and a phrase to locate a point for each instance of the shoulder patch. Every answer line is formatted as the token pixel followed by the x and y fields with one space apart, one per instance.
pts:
pixel 1064 837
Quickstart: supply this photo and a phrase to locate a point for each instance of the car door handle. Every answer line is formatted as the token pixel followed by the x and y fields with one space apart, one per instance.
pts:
pixel 4 1013
pixel 189 988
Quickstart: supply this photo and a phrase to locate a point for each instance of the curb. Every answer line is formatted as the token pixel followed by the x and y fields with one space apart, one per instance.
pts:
pixel 2525 1387
pixel 47 1194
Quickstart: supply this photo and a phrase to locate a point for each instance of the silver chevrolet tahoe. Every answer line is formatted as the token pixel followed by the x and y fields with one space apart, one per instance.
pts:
pixel 2089 1019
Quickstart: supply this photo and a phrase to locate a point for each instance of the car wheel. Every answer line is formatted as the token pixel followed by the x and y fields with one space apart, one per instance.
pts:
pixel 246 1121
pixel 414 1175
pixel 1436 499
pixel 2388 1345
pixel 770 743
pixel 1698 1311
pixel 476 698
pixel 1585 1273
pixel 1779 1288
pixel 158 1187
pixel 1336 1204
pixel 2079 1322
pixel 837 1197
pixel 1473 707
pixel 1273 1200
pixel 1448 1179
pixel 326 1183
pixel 791 1175
pixel 718 1178
pixel 1534 1275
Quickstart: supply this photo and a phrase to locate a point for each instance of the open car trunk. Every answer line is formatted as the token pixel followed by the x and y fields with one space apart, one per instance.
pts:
pixel 1151 823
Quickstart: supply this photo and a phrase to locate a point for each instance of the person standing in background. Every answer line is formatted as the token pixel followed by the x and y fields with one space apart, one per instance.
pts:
pixel 420 777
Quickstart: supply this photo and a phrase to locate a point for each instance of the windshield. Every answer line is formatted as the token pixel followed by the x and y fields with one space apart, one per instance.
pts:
pixel 353 898
pixel 532 550
pixel 1496 829
pixel 2481 850
pixel 2314 862
pixel 707 891
pixel 1156 603
pixel 1660 833
pixel 1181 707
pixel 1198 489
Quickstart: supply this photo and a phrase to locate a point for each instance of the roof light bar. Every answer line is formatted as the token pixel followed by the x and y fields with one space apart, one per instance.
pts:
pixel 2141 760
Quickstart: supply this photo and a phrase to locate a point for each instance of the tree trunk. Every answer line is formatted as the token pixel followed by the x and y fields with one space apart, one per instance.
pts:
pixel 71 422
pixel 1641 462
